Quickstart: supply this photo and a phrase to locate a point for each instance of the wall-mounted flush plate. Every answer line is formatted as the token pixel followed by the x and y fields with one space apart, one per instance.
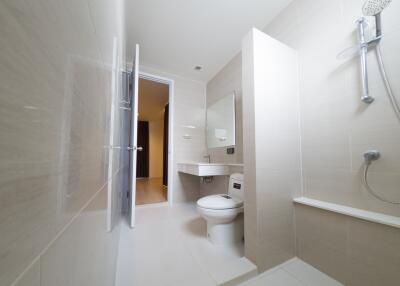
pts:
pixel 230 150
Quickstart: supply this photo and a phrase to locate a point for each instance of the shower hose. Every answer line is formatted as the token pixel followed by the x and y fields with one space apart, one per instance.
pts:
pixel 396 109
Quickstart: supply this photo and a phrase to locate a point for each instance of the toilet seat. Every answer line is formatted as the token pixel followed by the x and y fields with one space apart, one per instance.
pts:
pixel 220 202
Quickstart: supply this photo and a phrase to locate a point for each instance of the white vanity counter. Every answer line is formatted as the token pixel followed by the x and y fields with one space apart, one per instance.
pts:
pixel 209 169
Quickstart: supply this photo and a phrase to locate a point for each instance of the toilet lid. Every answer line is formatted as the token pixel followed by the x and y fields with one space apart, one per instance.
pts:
pixel 219 202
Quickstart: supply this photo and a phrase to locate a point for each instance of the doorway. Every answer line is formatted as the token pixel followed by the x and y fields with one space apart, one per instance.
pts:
pixel 152 142
pixel 146 189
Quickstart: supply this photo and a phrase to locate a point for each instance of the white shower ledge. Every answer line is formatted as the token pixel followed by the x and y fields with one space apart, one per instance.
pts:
pixel 354 212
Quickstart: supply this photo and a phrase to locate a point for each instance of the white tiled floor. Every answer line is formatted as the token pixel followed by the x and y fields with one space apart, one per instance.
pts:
pixel 293 273
pixel 168 247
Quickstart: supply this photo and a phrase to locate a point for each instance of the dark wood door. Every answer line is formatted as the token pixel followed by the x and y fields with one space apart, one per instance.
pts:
pixel 142 166
pixel 165 146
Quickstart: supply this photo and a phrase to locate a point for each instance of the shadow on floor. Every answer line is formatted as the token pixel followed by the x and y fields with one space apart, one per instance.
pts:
pixel 197 227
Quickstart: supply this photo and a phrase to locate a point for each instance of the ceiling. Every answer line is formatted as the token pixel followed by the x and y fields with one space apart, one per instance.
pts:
pixel 153 96
pixel 177 35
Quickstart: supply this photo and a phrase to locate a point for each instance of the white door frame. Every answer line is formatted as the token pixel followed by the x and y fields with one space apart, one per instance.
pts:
pixel 170 83
pixel 133 135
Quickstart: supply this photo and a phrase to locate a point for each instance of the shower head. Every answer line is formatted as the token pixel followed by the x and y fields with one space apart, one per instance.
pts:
pixel 374 7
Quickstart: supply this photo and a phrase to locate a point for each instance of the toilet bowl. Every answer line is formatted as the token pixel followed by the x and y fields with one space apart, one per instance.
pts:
pixel 224 213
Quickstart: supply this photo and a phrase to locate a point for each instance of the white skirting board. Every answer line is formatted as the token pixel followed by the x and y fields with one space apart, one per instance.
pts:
pixel 350 211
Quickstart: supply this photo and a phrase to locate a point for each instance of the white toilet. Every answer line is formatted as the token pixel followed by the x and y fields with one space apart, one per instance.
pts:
pixel 224 213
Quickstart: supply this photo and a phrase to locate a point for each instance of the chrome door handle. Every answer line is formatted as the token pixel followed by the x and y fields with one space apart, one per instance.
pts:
pixel 131 148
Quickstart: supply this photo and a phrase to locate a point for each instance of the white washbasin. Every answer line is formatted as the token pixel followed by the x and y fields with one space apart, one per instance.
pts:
pixel 209 169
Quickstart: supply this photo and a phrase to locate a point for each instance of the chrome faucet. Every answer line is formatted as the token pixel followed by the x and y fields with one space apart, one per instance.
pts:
pixel 209 158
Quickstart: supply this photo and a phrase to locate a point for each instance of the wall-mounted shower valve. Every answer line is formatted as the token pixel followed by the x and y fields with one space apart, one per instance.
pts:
pixel 371 155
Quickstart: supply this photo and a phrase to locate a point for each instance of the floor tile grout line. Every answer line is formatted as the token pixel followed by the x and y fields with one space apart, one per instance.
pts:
pixel 316 270
pixel 295 277
pixel 194 257
pixel 262 275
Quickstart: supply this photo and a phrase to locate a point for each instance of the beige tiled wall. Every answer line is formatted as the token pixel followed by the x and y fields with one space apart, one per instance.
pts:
pixel 272 174
pixel 336 127
pixel 55 99
pixel 31 277
pixel 228 80
pixel 85 254
pixel 353 251
pixel 189 112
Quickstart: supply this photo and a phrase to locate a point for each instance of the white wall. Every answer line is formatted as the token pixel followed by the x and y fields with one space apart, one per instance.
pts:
pixel 272 164
pixel 189 111
pixel 55 105
pixel 156 144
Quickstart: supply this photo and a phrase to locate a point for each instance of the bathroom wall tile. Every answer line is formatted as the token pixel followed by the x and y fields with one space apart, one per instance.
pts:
pixel 55 124
pixel 219 185
pixel 327 260
pixel 376 116
pixel 285 22
pixel 362 273
pixel 87 239
pixel 275 210
pixel 272 148
pixel 377 272
pixel 321 231
pixel 314 225
pixel 332 185
pixel 353 251
pixel 31 277
pixel 105 18
pixel 272 252
pixel 384 184
pixel 385 139
pixel 228 80
pixel 333 118
pixel 376 248
pixel 336 128
pixel 249 154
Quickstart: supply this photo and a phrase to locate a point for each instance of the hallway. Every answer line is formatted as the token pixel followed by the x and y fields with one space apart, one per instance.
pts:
pixel 150 191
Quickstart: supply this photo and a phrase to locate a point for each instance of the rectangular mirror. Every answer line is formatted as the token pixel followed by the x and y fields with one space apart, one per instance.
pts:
pixel 221 122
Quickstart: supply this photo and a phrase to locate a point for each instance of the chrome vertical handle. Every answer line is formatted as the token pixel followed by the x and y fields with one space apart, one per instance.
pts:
pixel 361 25
pixel 111 147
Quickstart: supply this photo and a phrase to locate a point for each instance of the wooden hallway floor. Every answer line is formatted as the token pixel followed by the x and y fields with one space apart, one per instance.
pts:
pixel 150 191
